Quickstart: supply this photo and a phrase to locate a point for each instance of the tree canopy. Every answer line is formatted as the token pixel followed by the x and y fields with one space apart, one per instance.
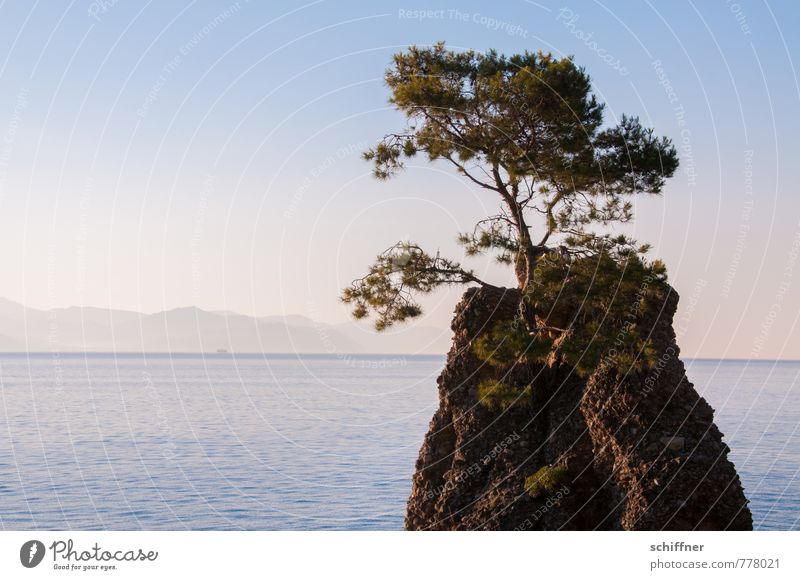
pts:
pixel 528 129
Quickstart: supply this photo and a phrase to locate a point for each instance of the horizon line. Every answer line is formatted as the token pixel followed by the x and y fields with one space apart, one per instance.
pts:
pixel 325 354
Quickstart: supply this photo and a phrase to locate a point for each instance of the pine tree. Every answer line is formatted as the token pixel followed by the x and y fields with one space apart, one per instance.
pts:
pixel 528 129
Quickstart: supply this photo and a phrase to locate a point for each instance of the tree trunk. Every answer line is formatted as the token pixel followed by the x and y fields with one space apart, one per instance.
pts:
pixel 521 270
pixel 525 263
pixel 524 268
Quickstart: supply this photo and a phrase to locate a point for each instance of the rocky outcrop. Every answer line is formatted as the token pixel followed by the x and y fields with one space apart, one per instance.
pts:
pixel 633 451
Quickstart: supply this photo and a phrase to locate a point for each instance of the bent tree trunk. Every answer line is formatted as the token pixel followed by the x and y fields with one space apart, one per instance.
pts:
pixel 524 267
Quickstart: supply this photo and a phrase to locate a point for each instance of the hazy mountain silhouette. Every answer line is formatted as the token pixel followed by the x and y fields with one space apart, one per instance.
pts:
pixel 192 329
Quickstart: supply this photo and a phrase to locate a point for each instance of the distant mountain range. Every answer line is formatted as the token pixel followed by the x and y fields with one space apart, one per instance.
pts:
pixel 192 329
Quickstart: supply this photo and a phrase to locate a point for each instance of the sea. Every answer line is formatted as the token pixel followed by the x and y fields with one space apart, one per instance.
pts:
pixel 288 442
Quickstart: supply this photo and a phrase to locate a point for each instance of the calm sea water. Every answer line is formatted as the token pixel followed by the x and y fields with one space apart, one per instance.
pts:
pixel 281 442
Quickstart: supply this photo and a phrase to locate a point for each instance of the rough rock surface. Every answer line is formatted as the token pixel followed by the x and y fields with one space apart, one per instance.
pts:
pixel 641 451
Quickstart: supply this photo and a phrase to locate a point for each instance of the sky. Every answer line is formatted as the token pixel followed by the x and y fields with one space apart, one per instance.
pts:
pixel 163 154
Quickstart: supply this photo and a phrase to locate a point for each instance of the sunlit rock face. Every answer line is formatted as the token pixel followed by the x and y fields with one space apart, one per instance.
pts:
pixel 612 450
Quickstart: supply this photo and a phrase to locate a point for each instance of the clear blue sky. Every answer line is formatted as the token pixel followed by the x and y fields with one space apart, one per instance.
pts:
pixel 161 154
